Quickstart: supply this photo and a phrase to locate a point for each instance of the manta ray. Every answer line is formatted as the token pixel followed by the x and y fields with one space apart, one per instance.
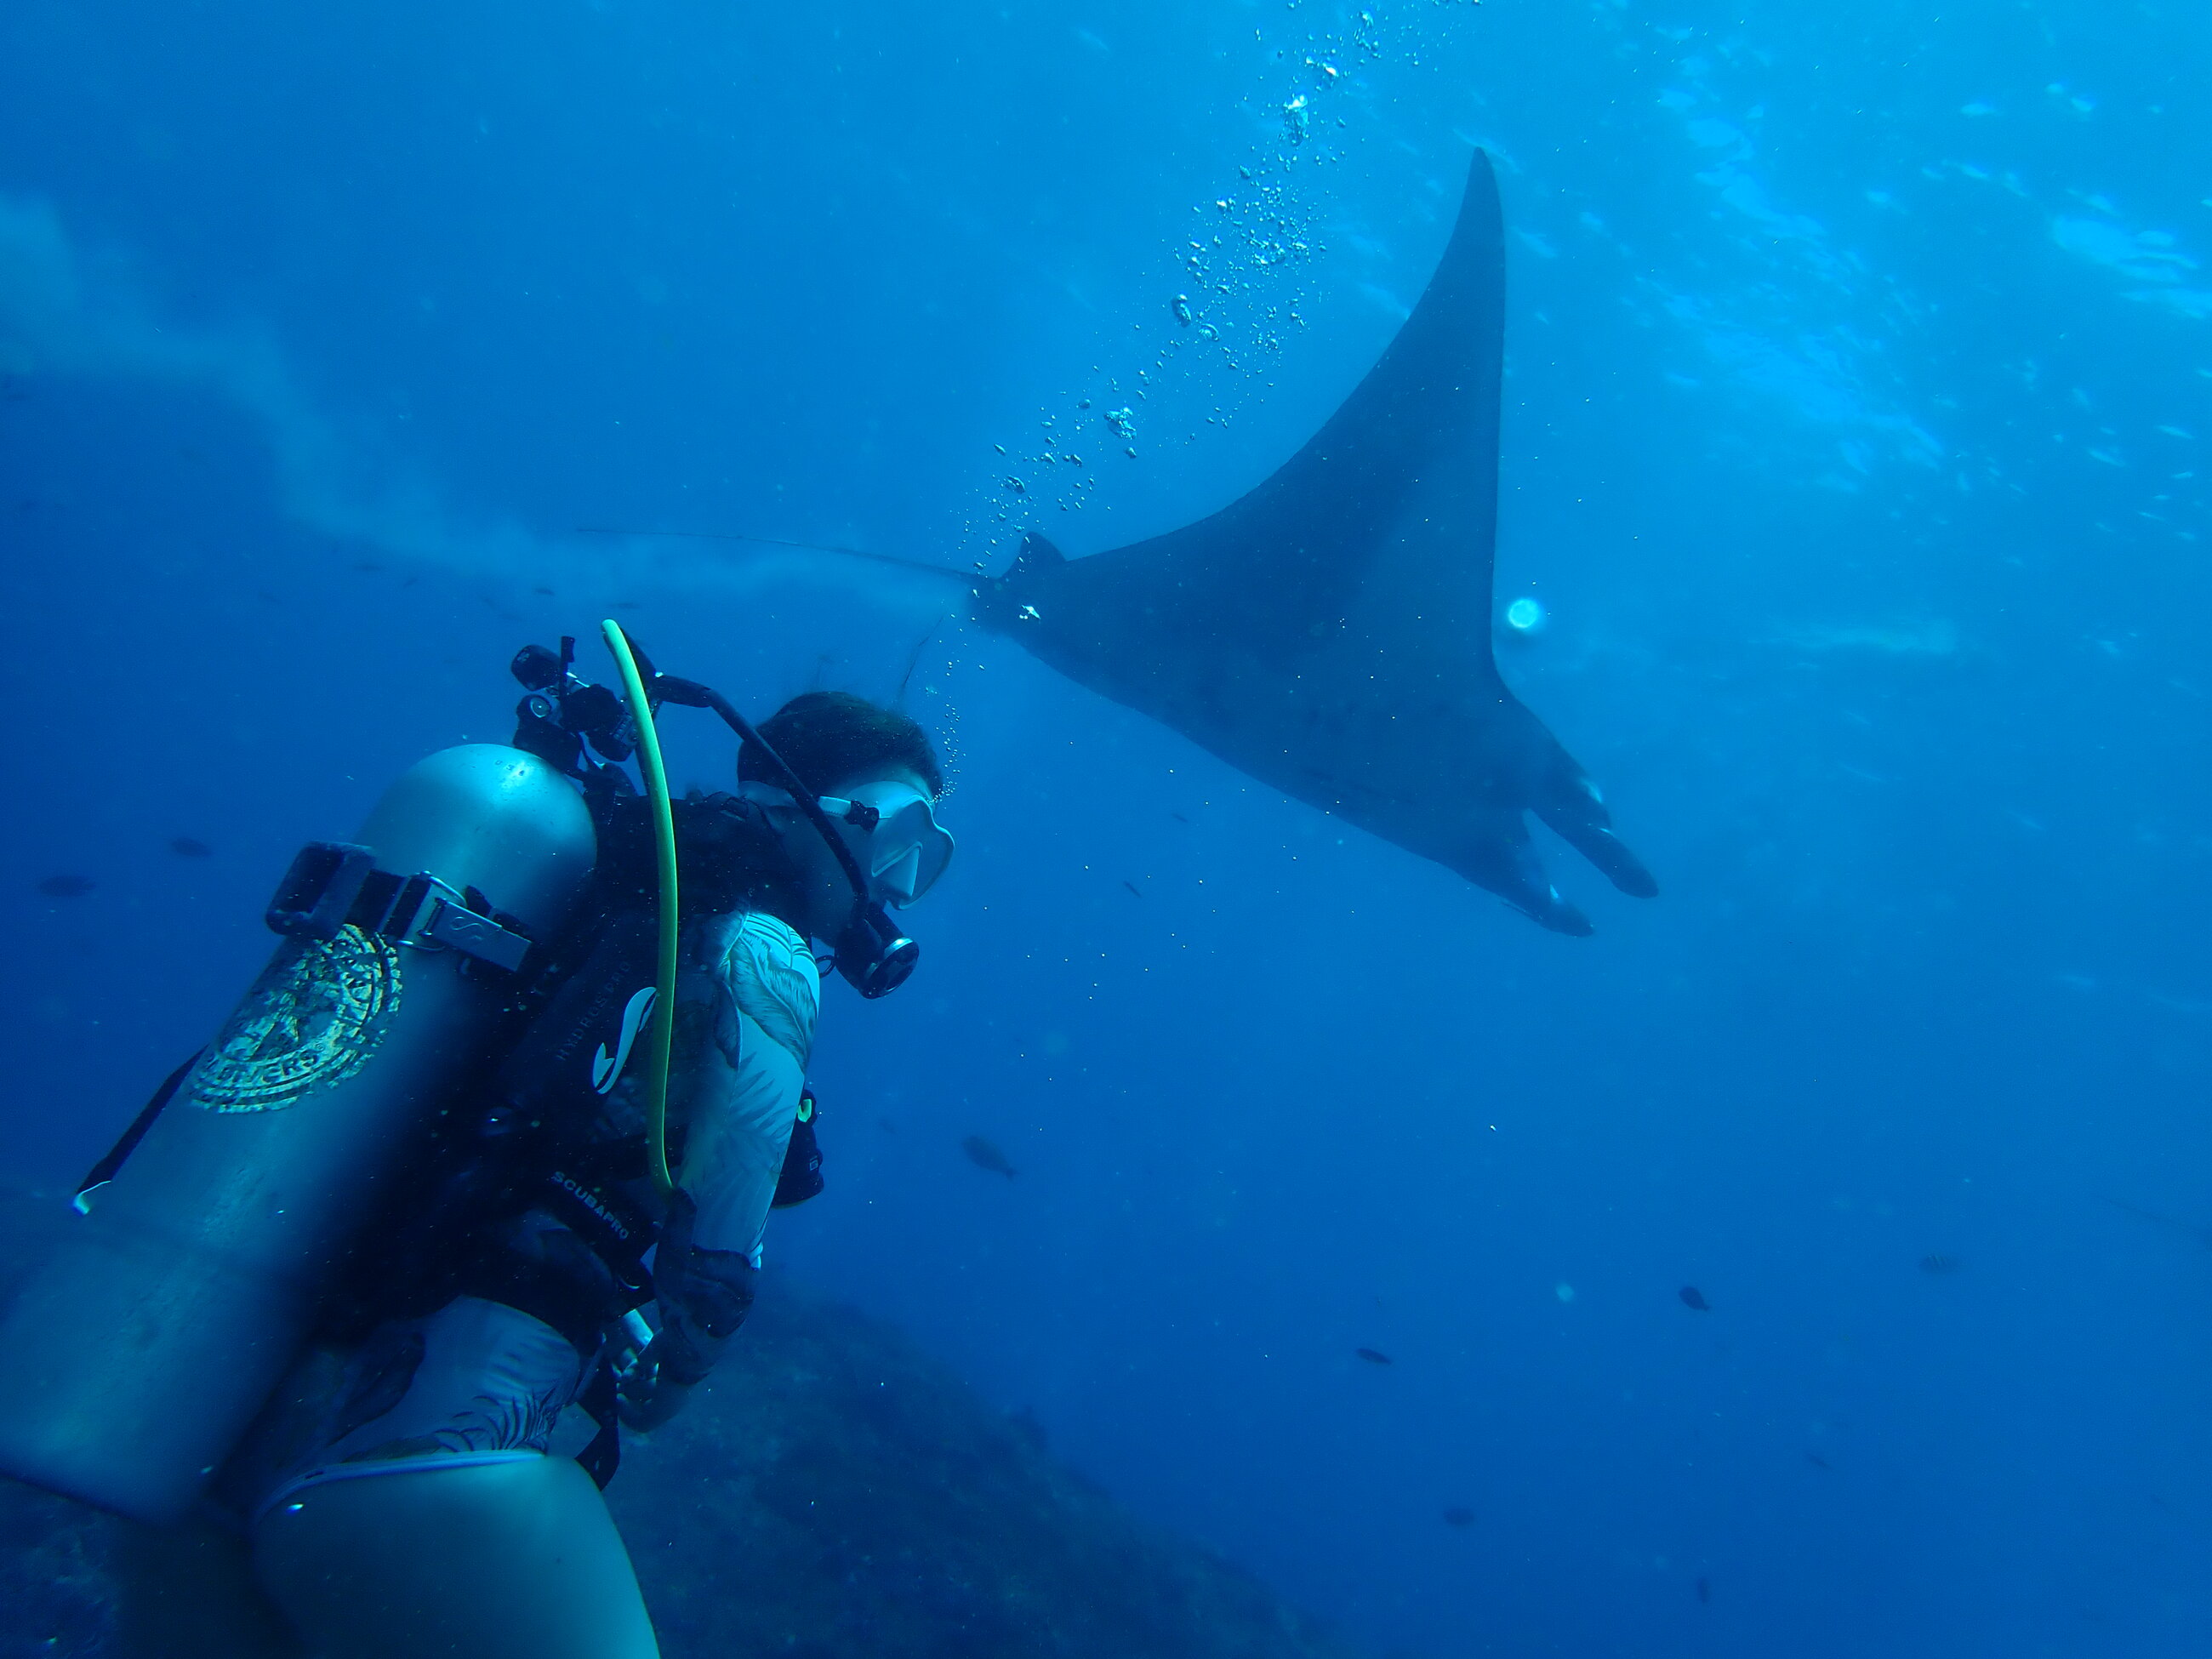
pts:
pixel 1328 634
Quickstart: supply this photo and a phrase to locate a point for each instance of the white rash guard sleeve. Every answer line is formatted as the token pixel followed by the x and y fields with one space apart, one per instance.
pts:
pixel 746 1004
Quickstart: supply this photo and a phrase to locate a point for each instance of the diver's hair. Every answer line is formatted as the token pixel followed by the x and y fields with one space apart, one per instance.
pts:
pixel 828 737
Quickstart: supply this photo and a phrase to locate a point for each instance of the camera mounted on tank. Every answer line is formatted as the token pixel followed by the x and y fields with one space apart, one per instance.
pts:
pixel 580 729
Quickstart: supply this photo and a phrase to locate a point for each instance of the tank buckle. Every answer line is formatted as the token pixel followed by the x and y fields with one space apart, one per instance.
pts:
pixel 478 936
pixel 320 889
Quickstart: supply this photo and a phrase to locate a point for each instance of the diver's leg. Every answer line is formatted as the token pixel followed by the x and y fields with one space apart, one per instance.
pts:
pixel 188 1592
pixel 507 1560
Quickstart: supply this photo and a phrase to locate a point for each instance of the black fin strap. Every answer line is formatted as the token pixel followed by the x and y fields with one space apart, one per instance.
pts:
pixel 601 1403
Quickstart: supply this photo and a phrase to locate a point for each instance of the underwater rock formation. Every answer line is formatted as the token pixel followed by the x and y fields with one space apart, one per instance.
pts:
pixel 831 1492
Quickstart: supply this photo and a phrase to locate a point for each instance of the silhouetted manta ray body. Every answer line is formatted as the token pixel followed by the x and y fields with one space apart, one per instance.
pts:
pixel 1329 633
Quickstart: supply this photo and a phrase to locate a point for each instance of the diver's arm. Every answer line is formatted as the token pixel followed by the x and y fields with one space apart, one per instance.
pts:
pixel 746 1022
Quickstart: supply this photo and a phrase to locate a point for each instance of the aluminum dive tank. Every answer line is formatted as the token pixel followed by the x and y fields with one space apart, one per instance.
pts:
pixel 131 1363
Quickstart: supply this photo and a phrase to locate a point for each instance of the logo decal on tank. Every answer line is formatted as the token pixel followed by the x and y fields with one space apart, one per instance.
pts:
pixel 312 1020
pixel 607 1069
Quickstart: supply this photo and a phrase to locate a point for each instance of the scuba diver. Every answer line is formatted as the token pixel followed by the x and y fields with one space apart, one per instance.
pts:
pixel 606 1130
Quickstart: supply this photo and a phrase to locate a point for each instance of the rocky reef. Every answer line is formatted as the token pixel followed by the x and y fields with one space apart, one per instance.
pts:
pixel 833 1492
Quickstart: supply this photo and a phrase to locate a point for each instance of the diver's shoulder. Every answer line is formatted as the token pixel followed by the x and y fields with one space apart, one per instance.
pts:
pixel 753 935
pixel 770 973
pixel 765 933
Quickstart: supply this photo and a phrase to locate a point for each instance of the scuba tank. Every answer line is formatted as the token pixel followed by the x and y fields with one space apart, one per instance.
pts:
pixel 131 1363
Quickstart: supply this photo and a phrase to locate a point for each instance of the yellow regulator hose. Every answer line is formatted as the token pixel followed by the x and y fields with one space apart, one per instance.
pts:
pixel 660 1033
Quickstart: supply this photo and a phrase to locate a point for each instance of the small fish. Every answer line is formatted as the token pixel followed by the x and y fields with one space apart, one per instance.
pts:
pixel 65 886
pixel 1375 1356
pixel 1132 886
pixel 1939 1263
pixel 547 591
pixel 1694 1299
pixel 1705 1590
pixel 1819 1461
pixel 1179 818
pixel 985 1156
pixel 1458 1515
pixel 190 846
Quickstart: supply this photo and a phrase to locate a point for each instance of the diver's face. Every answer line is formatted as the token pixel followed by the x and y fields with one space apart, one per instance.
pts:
pixel 887 855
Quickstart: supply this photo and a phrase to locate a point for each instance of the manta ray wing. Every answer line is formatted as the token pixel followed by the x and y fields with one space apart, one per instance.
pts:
pixel 1330 633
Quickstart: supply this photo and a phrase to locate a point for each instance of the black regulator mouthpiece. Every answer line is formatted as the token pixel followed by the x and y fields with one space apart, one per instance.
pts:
pixel 873 954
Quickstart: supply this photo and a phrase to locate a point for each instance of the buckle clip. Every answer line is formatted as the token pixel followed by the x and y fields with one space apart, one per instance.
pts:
pixel 478 936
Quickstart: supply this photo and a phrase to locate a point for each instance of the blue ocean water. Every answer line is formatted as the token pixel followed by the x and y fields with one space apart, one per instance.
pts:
pixel 1859 369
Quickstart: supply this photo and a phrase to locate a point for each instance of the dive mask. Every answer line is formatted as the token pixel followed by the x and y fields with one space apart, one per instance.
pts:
pixel 896 837
pixel 891 830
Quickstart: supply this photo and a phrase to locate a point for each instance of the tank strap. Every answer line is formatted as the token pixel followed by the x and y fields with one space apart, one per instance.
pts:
pixel 332 886
pixel 104 1171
